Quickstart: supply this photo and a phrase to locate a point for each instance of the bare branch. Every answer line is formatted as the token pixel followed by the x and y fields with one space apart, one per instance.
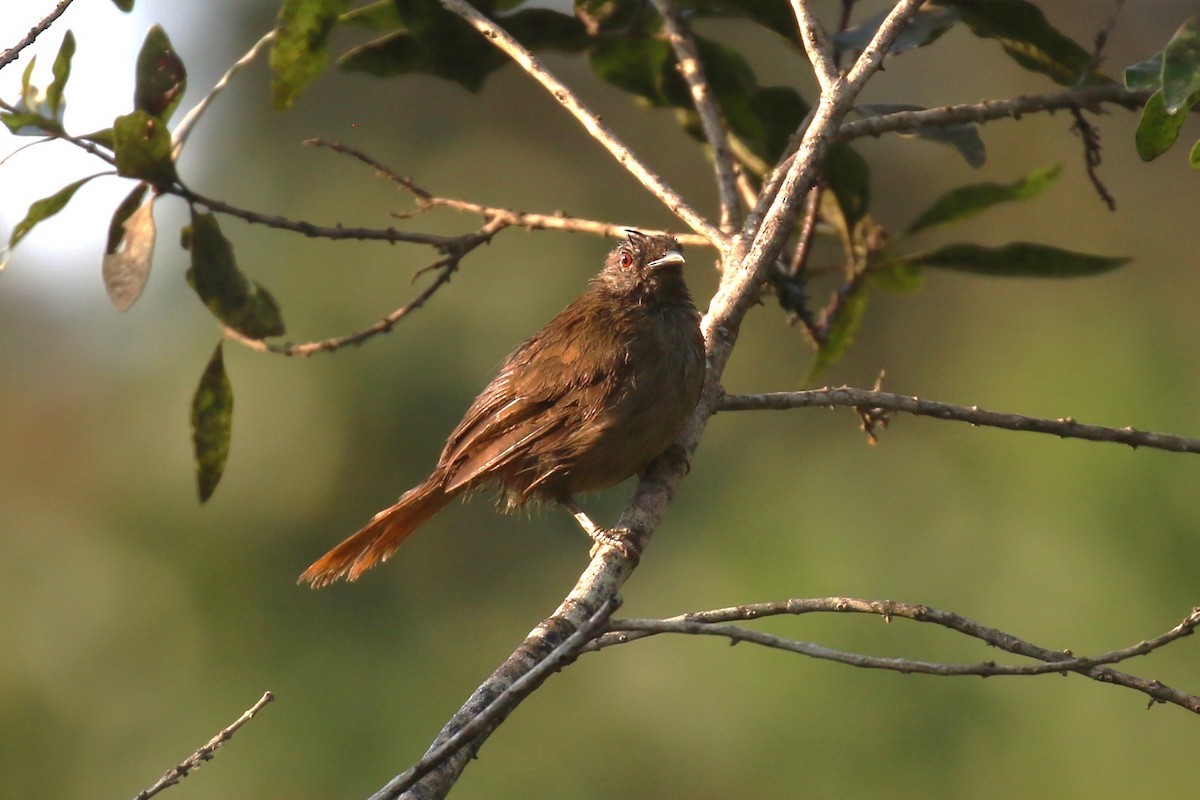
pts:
pixel 204 753
pixel 14 52
pixel 591 123
pixel 1088 97
pixel 714 623
pixel 497 709
pixel 1065 428
pixel 184 128
pixel 707 108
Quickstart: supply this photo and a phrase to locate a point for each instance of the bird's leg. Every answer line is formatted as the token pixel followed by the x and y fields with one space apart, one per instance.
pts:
pixel 622 539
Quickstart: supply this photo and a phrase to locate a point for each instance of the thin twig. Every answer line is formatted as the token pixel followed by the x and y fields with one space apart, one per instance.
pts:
pixel 590 121
pixel 707 107
pixel 715 623
pixel 1066 427
pixel 14 52
pixel 204 753
pixel 816 45
pixel 989 110
pixel 184 128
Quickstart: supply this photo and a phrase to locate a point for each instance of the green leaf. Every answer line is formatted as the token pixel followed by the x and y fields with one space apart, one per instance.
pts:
pixel 842 332
pixel 142 145
pixel 930 22
pixel 963 137
pixel 1181 67
pixel 161 76
pixel 1017 260
pixel 233 298
pixel 967 201
pixel 895 274
pixel 1157 129
pixel 124 5
pixel 126 263
pixel 300 51
pixel 378 16
pixel 849 176
pixel 1194 156
pixel 1145 75
pixel 212 424
pixel 62 71
pixel 1029 39
pixel 44 209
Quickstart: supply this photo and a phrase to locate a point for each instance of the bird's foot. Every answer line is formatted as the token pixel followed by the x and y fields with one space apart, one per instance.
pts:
pixel 628 542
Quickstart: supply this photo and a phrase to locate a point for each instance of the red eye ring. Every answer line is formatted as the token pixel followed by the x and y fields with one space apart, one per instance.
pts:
pixel 626 259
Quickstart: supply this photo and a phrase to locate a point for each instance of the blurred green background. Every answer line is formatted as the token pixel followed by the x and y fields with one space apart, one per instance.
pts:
pixel 135 623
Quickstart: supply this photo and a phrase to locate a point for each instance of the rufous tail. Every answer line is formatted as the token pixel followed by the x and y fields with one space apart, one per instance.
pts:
pixel 380 538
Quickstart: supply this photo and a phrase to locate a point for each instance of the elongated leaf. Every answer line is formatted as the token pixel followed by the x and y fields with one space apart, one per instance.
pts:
pixel 967 201
pixel 62 71
pixel 233 298
pixel 212 424
pixel 895 274
pixel 299 52
pixel 1194 156
pixel 842 332
pixel 1017 260
pixel 161 76
pixel 126 266
pixel 1157 129
pixel 44 209
pixel 1181 67
pixel 142 145
pixel 1029 39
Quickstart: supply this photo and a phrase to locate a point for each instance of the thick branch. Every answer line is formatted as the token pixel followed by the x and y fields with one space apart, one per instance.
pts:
pixel 875 401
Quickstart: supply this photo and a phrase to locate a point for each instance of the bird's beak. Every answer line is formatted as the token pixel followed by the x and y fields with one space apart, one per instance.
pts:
pixel 672 258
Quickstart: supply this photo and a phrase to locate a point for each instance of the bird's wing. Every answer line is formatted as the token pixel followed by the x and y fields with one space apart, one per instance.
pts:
pixel 546 385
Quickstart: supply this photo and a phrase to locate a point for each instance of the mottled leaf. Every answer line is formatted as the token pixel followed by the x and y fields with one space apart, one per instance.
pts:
pixel 44 209
pixel 299 52
pixel 1145 75
pixel 1157 129
pixel 161 76
pixel 126 265
pixel 967 201
pixel 842 332
pixel 233 298
pixel 1018 259
pixel 1181 67
pixel 142 145
pixel 212 424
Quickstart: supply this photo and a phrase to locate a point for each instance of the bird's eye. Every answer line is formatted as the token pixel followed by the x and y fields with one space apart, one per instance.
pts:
pixel 626 259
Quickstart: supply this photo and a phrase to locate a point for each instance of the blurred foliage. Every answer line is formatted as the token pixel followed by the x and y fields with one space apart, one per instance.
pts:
pixel 139 624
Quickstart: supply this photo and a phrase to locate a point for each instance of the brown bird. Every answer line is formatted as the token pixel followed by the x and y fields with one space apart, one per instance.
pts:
pixel 586 402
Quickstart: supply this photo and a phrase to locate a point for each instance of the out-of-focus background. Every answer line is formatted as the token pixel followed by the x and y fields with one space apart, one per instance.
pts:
pixel 135 622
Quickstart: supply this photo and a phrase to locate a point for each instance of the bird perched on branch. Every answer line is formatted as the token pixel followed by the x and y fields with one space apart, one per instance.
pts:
pixel 586 402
